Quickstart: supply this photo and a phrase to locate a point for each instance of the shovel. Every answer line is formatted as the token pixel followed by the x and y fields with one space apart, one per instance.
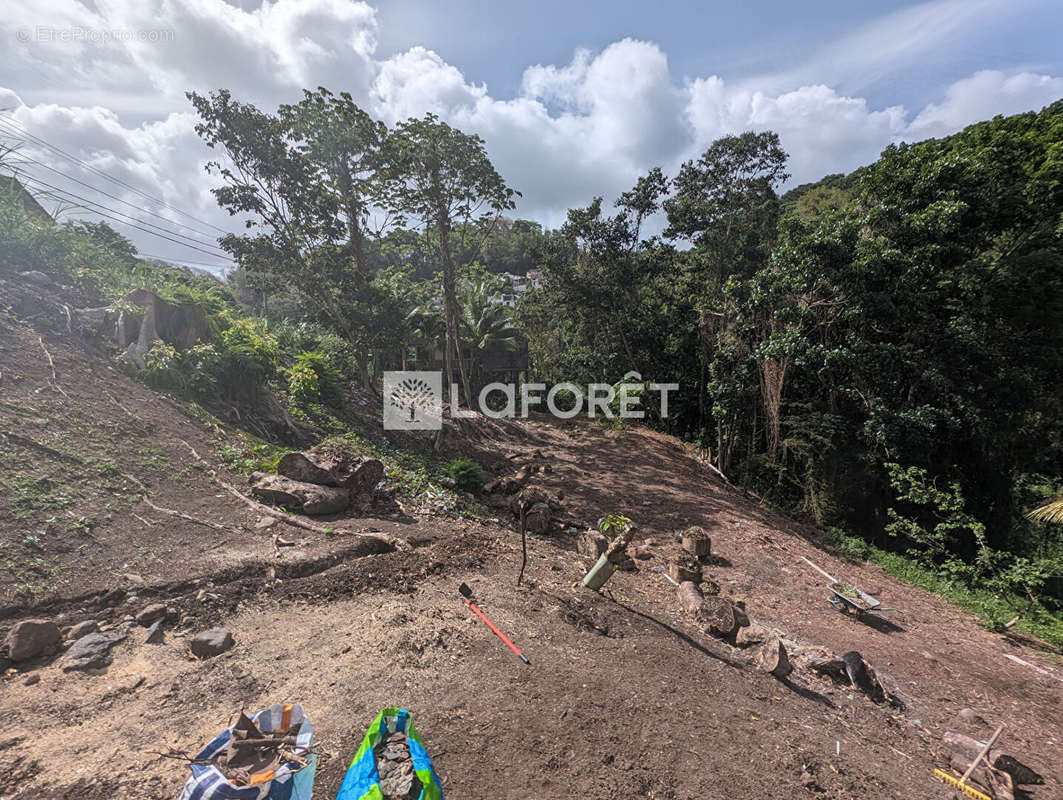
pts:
pixel 466 593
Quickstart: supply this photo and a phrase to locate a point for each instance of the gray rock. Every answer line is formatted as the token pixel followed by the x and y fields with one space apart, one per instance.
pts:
pixel 37 277
pixel 155 634
pixel 32 678
pixel 537 518
pixel 82 629
pixel 89 652
pixel 207 644
pixel 32 638
pixel 150 614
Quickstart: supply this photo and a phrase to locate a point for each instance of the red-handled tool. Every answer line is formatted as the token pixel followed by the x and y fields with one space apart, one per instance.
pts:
pixel 466 593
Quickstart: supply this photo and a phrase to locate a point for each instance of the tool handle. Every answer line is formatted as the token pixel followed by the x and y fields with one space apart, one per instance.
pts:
pixel 981 754
pixel 497 632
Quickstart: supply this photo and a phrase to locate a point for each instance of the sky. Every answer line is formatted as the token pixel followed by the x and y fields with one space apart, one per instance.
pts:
pixel 574 98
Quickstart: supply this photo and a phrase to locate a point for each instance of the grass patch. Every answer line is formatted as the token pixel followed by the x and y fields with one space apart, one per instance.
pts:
pixel 991 608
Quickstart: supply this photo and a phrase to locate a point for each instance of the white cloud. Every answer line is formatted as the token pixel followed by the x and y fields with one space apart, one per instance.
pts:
pixel 586 128
pixel 981 96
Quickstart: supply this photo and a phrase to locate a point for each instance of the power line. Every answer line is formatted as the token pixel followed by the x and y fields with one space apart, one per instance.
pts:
pixel 182 261
pixel 12 123
pixel 27 160
pixel 65 195
pixel 69 194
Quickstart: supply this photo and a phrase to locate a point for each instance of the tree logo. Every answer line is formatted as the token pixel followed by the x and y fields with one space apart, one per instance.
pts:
pixel 413 401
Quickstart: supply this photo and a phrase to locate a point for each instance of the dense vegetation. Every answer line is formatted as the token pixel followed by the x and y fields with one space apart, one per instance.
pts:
pixel 878 353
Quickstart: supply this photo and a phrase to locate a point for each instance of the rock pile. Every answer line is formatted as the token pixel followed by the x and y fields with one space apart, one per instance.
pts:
pixel 324 480
pixel 394 765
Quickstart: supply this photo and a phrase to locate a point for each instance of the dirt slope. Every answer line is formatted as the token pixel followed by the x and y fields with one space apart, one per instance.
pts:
pixel 624 698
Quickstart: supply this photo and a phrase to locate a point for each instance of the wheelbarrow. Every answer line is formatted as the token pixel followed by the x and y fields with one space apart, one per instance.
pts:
pixel 850 600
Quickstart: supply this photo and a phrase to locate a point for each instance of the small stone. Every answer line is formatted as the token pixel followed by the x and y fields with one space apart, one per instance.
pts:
pixel 207 644
pixel 31 679
pixel 150 614
pixel 155 633
pixel 265 522
pixel 82 629
pixel 32 638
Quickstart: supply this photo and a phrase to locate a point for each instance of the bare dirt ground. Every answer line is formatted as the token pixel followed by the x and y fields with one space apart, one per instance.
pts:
pixel 625 696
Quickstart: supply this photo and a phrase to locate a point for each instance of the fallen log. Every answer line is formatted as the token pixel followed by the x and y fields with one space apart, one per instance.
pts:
pixel 310 498
pixel 690 597
pixel 964 749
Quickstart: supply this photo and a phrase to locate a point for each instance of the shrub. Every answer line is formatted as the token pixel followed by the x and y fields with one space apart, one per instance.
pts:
pixel 313 379
pixel 468 475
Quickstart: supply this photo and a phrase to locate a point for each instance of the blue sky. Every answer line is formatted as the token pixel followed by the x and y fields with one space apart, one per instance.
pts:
pixel 574 99
pixel 494 42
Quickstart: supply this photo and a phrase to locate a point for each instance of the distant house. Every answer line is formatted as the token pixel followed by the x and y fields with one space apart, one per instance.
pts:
pixel 518 285
pixel 12 189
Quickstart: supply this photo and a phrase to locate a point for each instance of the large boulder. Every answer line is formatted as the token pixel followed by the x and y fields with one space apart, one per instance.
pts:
pixel 207 644
pixel 310 498
pixel 32 638
pixel 178 324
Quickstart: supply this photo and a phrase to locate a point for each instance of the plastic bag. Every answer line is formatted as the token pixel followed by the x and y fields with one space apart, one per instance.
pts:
pixel 289 782
pixel 362 781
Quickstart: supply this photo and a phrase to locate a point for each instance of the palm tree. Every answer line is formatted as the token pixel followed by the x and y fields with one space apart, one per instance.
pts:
pixel 427 323
pixel 486 323
pixel 1049 512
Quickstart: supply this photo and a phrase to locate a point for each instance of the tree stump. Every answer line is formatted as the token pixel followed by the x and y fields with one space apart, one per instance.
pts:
pixel 719 615
pixel 684 567
pixel 995 771
pixel 696 542
pixel 591 543
pixel 771 657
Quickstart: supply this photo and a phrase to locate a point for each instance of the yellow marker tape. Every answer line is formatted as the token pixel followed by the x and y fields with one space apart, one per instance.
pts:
pixel 974 794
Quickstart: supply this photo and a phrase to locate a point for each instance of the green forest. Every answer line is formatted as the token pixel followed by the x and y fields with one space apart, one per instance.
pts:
pixel 876 354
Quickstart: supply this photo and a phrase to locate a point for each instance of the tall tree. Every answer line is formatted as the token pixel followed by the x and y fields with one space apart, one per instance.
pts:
pixel 725 204
pixel 305 180
pixel 444 178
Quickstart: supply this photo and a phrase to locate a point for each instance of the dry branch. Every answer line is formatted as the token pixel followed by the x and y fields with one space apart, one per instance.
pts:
pixel 178 514
pixel 51 364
